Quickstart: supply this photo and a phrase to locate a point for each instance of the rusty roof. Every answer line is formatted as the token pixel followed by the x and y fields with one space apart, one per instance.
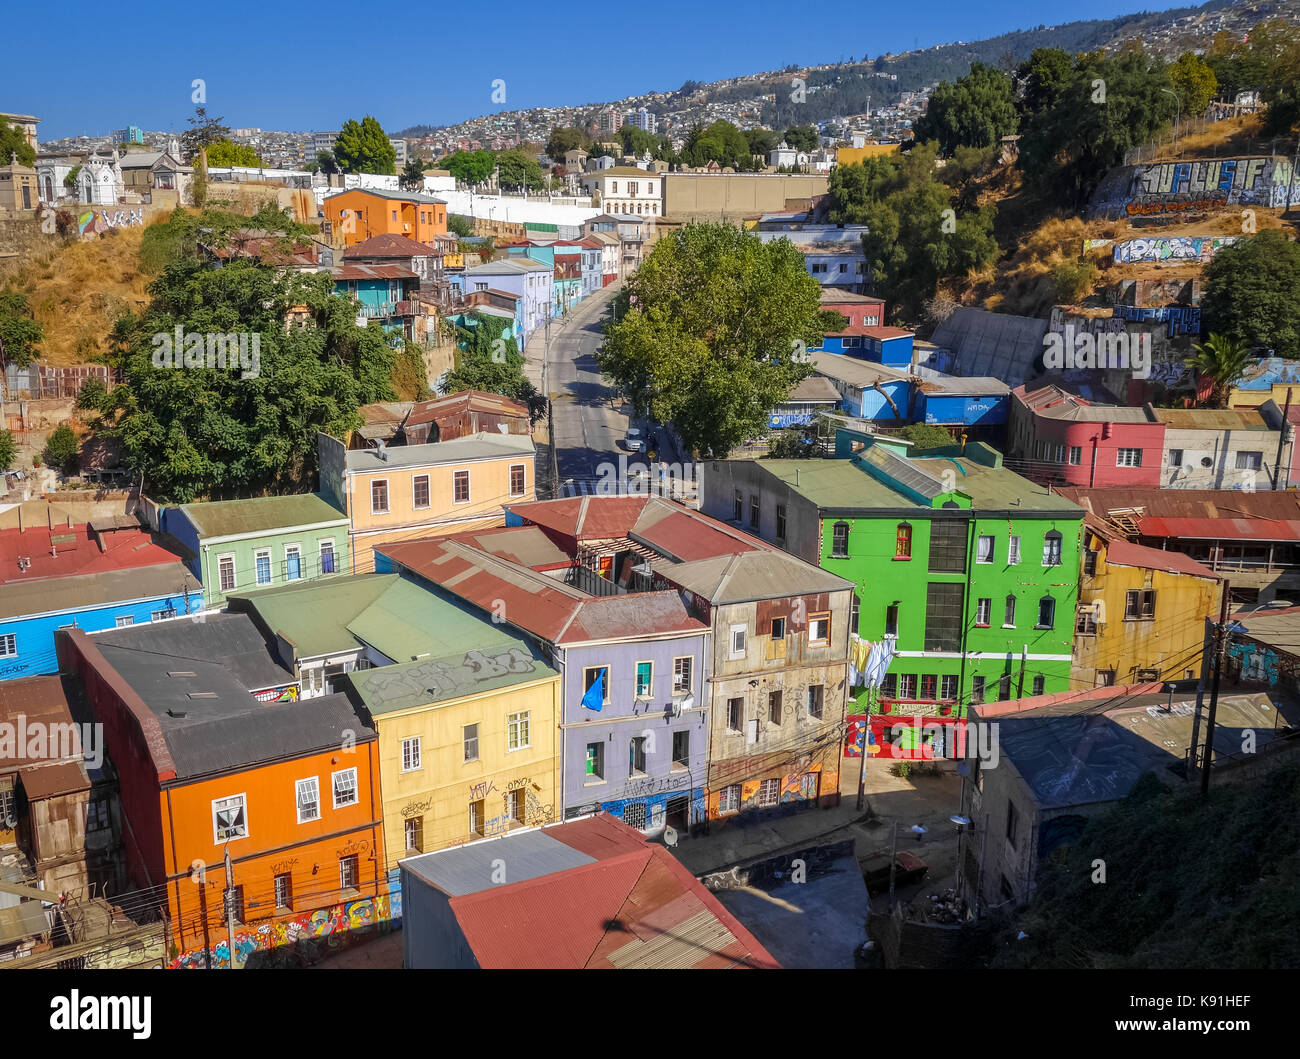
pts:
pixel 462 401
pixel 389 244
pixel 41 700
pixel 1211 418
pixel 349 272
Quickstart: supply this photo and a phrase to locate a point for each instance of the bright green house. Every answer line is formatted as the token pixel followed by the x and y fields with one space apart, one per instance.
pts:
pixel 257 543
pixel 972 569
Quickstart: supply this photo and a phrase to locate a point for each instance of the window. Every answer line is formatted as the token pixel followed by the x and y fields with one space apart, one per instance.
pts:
pixel 1105 678
pixel 349 872
pixel 943 617
pixel 1004 687
pixel 889 687
pixel 327 557
pixel 292 562
pixel 413 831
pixel 1052 549
pixel 515 804
pixel 1175 457
pixel 1249 461
pixel 984 549
pixel 1013 551
pixel 891 620
pixel 903 541
pixel 977 688
pixel 729 799
pixel 162 615
pixel 1089 563
pixel 738 638
pixel 769 793
pixel 379 497
pixel 420 490
pixel 411 754
pixel 1139 605
pixel 460 487
pixel 345 787
pixel 816 700
pixel 122 621
pixel 1046 613
pixel 228 820
pixel 284 890
pixel 819 630
pixel 1147 676
pixel 947 687
pixel 1040 682
pixel 738 507
pixel 778 628
pixel 907 685
pixel 308 791
pixel 237 904
pixel 929 686
pixel 753 512
pixel 262 565
pixel 840 541
pixel 1013 820
pixel 808 785
pixel 613 187
pixel 983 608
pixel 636 756
pixel 1009 613
pixel 1076 455
pixel 644 680
pixel 774 707
pixel 593 673
pixel 780 522
pixel 226 573
pixel 517 729
pixel 683 670
pixel 635 816
pixel 947 547
pixel 518 479
pixel 476 817
pixel 1128 457
pixel 595 762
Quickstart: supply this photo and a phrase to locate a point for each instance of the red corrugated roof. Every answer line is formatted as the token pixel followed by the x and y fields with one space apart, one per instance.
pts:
pixel 603 519
pixel 124 549
pixel 388 244
pixel 690 537
pixel 886 333
pixel 1123 553
pixel 465 400
pixel 1232 529
pixel 364 272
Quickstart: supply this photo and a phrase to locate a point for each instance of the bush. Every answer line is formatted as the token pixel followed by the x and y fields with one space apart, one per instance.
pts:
pixel 61 449
pixel 1073 280
pixel 8 449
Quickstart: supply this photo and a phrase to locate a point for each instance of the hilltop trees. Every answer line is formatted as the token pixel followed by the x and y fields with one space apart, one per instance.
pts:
pixel 470 167
pixel 228 153
pixel 974 111
pixel 1252 292
pixel 711 331
pixel 1194 81
pixel 363 147
pixel 203 132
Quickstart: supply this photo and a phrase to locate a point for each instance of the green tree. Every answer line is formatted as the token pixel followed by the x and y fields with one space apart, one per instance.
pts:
pixel 327 163
pixel 1042 79
pixel 470 167
pixel 974 111
pixel 61 449
pixel 802 138
pixel 203 132
pixel 518 170
pixel 412 178
pixel 489 362
pixel 8 449
pixel 20 335
pixel 710 332
pixel 363 147
pixel 1194 81
pixel 70 181
pixel 762 142
pixel 223 153
pixel 459 225
pixel 563 140
pixel 925 436
pixel 1252 292
pixel 1222 359
pixel 13 142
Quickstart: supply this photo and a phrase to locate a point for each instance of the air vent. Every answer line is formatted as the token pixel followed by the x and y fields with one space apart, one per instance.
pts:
pixel 202 695
pixel 179 673
pixel 176 713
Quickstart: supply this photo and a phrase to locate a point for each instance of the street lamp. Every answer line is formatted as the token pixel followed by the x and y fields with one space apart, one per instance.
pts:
pixel 1178 111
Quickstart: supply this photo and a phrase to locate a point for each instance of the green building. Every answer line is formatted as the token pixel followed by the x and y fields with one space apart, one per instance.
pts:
pixel 258 543
pixel 972 569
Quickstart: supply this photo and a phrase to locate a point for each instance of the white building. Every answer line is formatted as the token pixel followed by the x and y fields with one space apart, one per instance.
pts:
pixel 626 190
pixel 323 141
pixel 99 183
pixel 785 155
pixel 642 119
pixel 399 148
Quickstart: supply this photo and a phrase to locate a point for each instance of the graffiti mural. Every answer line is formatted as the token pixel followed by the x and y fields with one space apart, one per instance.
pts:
pixel 1178 319
pixel 103 218
pixel 301 940
pixel 1173 188
pixel 1177 250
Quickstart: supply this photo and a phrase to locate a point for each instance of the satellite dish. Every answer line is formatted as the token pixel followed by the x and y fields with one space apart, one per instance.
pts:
pixel 670 836
pixel 959 820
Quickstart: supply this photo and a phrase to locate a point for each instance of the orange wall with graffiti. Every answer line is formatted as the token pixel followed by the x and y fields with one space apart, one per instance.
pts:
pixel 271 841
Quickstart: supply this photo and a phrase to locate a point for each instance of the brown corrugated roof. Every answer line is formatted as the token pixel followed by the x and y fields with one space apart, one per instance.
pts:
pixel 388 244
pixel 65 777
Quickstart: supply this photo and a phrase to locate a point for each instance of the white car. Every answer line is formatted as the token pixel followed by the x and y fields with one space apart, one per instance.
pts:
pixel 635 439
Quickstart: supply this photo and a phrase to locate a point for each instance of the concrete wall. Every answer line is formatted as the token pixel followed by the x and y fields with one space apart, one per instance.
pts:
pixel 1170 189
pixel 1221 447
pixel 731 196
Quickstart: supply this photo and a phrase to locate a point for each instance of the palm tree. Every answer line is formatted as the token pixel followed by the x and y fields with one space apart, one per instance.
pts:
pixel 1223 358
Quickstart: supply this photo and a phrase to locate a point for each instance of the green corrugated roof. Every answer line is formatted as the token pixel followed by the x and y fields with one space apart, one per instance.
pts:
pixel 314 615
pixel 408 621
pixel 229 518
pixel 452 676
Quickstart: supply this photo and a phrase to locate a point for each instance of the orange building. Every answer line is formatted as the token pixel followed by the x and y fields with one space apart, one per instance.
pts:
pixel 362 213
pixel 218 755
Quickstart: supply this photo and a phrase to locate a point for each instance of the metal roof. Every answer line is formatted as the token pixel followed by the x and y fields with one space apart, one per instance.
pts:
pixel 262 514
pixel 480 446
pixel 491 667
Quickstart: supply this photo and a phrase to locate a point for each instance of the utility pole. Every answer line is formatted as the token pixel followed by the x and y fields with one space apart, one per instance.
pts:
pixel 1219 644
pixel 203 915
pixel 1281 441
pixel 1024 657
pixel 229 895
pixel 866 736
pixel 1207 648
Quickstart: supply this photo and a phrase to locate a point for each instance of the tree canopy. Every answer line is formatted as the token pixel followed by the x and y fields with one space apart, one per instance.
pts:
pixel 363 147
pixel 974 111
pixel 710 333
pixel 20 335
pixel 412 178
pixel 470 167
pixel 13 141
pixel 517 169
pixel 228 153
pixel 1252 292
pixel 486 361
pixel 203 132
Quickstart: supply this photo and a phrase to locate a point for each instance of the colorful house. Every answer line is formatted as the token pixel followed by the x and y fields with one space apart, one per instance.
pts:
pixel 860 311
pixel 362 213
pixel 94 575
pixel 259 542
pixel 969 570
pixel 530 281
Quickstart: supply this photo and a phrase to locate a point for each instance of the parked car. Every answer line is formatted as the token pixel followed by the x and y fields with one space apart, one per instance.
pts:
pixel 635 440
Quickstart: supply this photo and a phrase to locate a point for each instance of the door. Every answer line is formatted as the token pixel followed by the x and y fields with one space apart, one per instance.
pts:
pixel 679 813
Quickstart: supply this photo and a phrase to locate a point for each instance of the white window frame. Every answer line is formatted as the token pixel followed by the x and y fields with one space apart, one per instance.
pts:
pixel 690 675
pixel 519 733
pixel 743 632
pixel 1009 611
pixel 769 793
pixel 123 621
pixel 261 553
pixel 1013 551
pixel 411 762
pixel 8 645
pixel 321 549
pixel 334 787
pixel 428 492
pixel 344 885
pixel 292 549
pixel 636 676
pixel 1124 457
pixel 242 799
pixel 813 621
pixel 388 497
pixel 979 544
pixel 314 781
pixel 234 579
pixel 586 686
pixel 984 611
pixel 729 799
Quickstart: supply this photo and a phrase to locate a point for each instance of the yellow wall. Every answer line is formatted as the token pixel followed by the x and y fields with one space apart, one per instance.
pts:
pixel 854 155
pixel 1255 398
pixel 1170 642
pixel 440 791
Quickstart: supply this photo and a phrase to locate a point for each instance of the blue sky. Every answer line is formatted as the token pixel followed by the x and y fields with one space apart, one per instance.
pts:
pixel 310 66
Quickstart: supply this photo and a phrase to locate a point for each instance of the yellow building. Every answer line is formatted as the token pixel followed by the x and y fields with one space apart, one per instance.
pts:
pixel 1141 614
pixel 404 492
pixel 854 155
pixel 469 741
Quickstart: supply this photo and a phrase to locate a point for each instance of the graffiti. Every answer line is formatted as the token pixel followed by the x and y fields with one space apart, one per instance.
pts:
pixel 359 846
pixel 279 867
pixel 1096 244
pixel 412 808
pixel 1171 373
pixel 479 791
pixel 93 222
pixel 303 939
pixel 641 788
pixel 536 814
pixel 1158 292
pixel 518 784
pixel 1178 319
pixel 498 825
pixel 1170 188
pixel 1171 251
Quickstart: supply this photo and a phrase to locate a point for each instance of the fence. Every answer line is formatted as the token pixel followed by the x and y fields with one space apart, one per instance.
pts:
pixel 36 381
pixel 1166 147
